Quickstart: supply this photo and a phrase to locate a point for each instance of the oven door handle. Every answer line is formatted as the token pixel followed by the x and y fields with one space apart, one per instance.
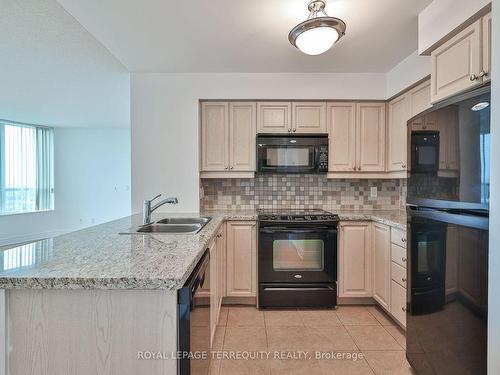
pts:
pixel 298 230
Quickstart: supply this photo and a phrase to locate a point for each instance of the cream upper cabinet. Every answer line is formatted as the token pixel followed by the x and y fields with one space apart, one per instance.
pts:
pixel 382 264
pixel 242 132
pixel 274 117
pixel 309 117
pixel 355 259
pixel 342 136
pixel 371 137
pixel 214 136
pixel 457 63
pixel 448 138
pixel 419 99
pixel 241 259
pixel 487 47
pixel 397 133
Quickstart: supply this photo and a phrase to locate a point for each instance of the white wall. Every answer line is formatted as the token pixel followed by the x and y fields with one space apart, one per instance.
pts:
pixel 53 72
pixel 91 185
pixel 494 266
pixel 412 69
pixel 441 17
pixel 165 120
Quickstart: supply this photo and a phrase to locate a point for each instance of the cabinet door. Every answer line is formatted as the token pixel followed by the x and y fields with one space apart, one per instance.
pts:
pixel 309 117
pixel 457 63
pixel 214 293
pixel 355 265
pixel 487 47
pixel 241 259
pixel 214 136
pixel 398 303
pixel 242 131
pixel 371 135
pixel 420 98
pixel 221 264
pixel 274 117
pixel 381 264
pixel 342 137
pixel 398 133
pixel 447 124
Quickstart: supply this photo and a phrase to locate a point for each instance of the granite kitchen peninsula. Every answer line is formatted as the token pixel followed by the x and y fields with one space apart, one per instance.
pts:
pixel 90 301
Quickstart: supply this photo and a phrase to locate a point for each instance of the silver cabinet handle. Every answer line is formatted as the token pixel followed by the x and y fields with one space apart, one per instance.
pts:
pixel 403 308
pixel 403 279
pixel 354 168
pixel 359 168
pixel 294 130
pixel 403 240
pixel 403 166
pixel 473 77
pixel 483 74
pixel 231 168
pixel 289 130
pixel 403 259
pixel 226 168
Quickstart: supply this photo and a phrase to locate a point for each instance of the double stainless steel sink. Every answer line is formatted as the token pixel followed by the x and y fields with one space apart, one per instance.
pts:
pixel 173 225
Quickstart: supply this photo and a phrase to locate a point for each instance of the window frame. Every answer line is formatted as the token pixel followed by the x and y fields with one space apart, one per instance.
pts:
pixel 51 157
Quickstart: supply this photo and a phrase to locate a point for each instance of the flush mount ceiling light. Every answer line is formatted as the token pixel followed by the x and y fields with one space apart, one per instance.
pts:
pixel 319 32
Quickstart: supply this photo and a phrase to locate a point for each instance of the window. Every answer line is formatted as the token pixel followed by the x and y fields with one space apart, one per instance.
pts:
pixel 26 168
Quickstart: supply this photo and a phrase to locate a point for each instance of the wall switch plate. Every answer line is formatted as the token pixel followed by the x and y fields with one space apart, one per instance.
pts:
pixel 373 192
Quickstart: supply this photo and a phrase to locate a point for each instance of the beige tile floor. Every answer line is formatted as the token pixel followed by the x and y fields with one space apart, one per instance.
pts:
pixel 362 331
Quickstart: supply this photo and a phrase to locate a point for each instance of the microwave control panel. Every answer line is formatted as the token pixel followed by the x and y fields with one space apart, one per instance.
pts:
pixel 323 158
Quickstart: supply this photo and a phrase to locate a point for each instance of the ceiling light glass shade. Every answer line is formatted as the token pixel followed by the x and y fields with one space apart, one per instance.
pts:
pixel 319 32
pixel 317 41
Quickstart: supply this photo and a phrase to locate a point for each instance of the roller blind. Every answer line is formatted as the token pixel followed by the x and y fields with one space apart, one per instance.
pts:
pixel 26 168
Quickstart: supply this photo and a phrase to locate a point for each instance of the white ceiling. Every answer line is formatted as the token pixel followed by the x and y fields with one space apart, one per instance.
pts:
pixel 54 73
pixel 246 35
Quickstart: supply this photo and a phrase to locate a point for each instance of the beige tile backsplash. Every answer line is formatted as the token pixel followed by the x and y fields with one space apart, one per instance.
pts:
pixel 301 191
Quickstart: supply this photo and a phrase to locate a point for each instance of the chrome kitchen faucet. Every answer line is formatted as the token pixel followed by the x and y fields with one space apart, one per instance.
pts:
pixel 148 209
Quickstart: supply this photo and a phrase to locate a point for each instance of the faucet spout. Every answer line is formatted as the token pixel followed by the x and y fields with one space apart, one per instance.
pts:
pixel 148 209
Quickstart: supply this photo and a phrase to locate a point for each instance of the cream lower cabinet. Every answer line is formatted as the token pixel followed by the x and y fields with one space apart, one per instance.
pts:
pixel 228 139
pixel 241 259
pixel 355 259
pixel 382 264
pixel 214 288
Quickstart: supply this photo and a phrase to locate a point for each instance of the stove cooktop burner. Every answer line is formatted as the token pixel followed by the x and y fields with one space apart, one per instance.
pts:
pixel 296 215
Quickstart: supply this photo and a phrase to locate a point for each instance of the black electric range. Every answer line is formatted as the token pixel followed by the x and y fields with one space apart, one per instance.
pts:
pixel 297 258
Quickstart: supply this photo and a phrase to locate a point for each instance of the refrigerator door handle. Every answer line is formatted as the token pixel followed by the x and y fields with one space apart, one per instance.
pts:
pixel 477 222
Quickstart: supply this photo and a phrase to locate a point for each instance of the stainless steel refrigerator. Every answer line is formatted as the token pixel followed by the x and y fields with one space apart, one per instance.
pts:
pixel 448 221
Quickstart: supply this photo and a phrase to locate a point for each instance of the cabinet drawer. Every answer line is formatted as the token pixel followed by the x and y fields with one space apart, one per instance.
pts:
pixel 398 255
pixel 398 303
pixel 398 274
pixel 398 237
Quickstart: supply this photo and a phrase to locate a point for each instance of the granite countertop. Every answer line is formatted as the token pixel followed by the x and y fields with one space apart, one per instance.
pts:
pixel 100 258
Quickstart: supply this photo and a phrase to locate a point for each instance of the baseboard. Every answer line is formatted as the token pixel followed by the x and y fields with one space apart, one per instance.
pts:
pixel 252 301
pixel 355 301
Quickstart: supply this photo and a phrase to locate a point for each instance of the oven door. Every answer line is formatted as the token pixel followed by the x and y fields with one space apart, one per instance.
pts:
pixel 299 254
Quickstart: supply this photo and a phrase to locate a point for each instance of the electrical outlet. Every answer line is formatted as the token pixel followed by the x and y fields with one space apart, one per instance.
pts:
pixel 373 192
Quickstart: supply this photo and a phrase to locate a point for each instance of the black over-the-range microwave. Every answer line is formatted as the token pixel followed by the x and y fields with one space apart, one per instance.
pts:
pixel 287 153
